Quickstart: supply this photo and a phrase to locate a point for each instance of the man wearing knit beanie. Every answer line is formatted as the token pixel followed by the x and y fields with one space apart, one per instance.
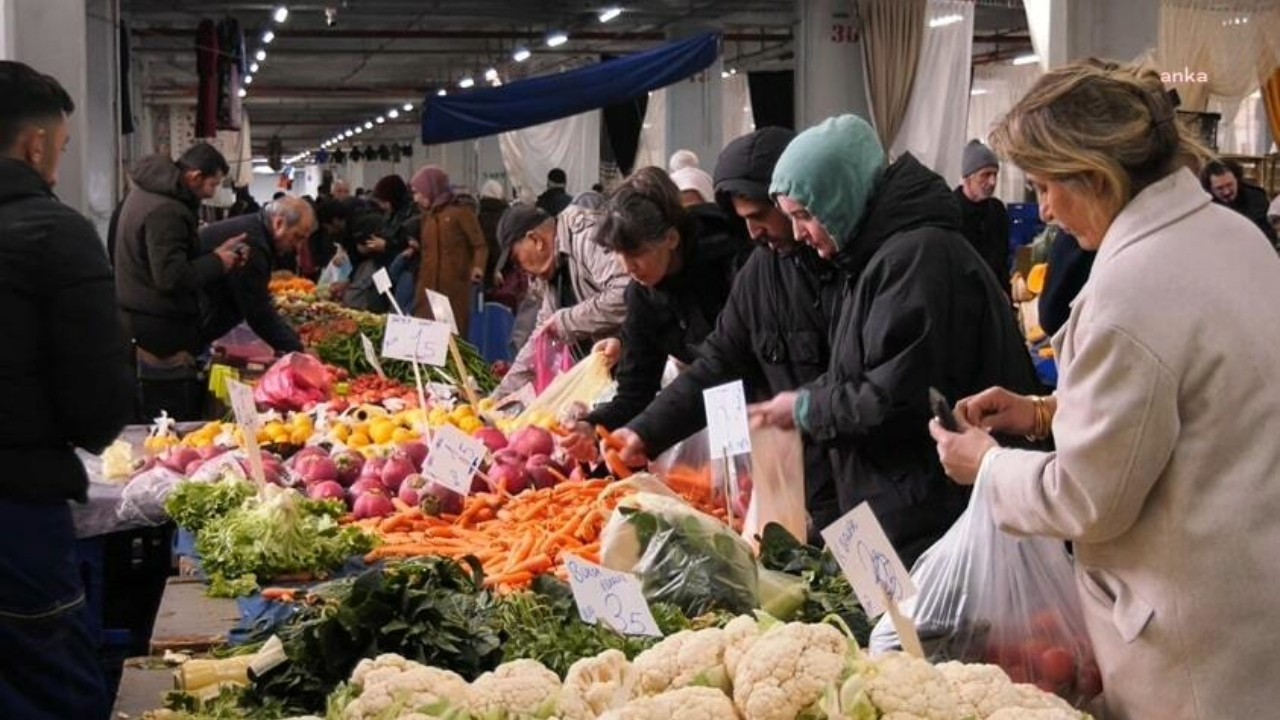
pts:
pixel 983 218
pixel 556 198
pixel 919 310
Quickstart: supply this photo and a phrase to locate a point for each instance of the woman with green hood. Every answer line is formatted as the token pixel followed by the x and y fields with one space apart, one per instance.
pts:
pixel 921 309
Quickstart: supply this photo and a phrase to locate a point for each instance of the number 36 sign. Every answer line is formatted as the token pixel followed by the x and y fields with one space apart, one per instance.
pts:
pixel 612 597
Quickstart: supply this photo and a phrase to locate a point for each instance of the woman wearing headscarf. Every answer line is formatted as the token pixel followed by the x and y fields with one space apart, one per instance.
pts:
pixel 1166 475
pixel 450 243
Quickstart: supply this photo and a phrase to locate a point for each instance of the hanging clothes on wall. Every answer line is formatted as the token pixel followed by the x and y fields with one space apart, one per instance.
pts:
pixel 231 71
pixel 207 69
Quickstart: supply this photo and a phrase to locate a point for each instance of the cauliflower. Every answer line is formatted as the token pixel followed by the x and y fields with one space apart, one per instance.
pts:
pixel 1037 714
pixel 522 689
pixel 391 685
pixel 689 703
pixel 740 634
pixel 787 670
pixel 979 690
pixel 596 685
pixel 907 688
pixel 690 657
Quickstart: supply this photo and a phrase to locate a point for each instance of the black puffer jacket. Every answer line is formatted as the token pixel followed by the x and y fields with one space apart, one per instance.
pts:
pixel 160 270
pixel 243 295
pixel 66 370
pixel 675 316
pixel 921 309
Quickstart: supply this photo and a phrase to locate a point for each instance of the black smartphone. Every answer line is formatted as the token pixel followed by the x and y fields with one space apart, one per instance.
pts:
pixel 942 411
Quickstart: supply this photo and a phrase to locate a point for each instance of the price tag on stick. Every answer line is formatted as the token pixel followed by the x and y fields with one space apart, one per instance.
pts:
pixel 371 355
pixel 246 412
pixel 382 282
pixel 453 459
pixel 612 597
pixel 442 309
pixel 416 340
pixel 728 431
pixel 874 570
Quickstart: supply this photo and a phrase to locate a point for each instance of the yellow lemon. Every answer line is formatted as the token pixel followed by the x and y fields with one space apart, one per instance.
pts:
pixel 403 435
pixel 342 432
pixel 381 431
pixel 300 436
pixel 358 440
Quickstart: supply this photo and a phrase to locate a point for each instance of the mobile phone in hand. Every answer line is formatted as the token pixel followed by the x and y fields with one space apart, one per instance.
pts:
pixel 942 411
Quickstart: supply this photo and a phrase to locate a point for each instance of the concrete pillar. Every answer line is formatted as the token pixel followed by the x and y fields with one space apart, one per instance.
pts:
pixel 1121 31
pixel 829 65
pixel 101 110
pixel 6 29
pixel 693 111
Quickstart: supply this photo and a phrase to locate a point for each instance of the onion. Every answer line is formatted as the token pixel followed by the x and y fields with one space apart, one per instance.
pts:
pixel 491 437
pixel 315 468
pixel 348 463
pixel 510 478
pixel 179 458
pixel 533 441
pixel 366 485
pixel 327 490
pixel 398 467
pixel 416 451
pixel 543 471
pixel 372 504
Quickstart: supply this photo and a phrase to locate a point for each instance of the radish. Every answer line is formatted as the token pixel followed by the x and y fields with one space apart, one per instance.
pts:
pixel 416 451
pixel 366 485
pixel 412 489
pixel 304 453
pixel 509 456
pixel 436 499
pixel 316 468
pixel 543 471
pixel 509 477
pixel 209 452
pixel 372 504
pixel 179 458
pixel 372 468
pixel 348 464
pixel 398 467
pixel 327 490
pixel 533 441
pixel 491 437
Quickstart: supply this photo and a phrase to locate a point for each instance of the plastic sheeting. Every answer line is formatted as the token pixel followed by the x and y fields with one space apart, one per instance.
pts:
pixel 538 100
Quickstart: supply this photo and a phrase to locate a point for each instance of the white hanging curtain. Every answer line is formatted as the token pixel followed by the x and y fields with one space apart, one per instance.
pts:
pixel 1215 48
pixel 571 144
pixel 652 148
pixel 933 129
pixel 996 88
pixel 1038 21
pixel 735 106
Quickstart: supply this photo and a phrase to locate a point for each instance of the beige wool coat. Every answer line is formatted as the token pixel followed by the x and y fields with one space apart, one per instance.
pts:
pixel 1167 470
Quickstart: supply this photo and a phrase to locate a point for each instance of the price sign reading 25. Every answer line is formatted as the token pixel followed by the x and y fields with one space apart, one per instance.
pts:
pixel 616 598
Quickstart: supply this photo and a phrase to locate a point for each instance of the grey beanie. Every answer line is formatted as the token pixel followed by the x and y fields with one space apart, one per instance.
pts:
pixel 977 156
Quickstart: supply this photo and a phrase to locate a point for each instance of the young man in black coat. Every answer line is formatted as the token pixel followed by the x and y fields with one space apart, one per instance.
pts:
pixel 67 385
pixel 1225 182
pixel 269 235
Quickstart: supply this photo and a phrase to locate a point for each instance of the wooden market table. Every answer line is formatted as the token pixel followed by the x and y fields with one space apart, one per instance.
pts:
pixel 189 620
pixel 143 685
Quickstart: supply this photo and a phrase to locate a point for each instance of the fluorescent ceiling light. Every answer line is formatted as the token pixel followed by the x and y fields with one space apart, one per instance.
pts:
pixel 724 73
pixel 281 14
pixel 253 68
pixel 393 114
pixel 609 14
pixel 945 20
pixel 491 74
pixel 442 92
pixel 380 120
pixel 359 130
pixel 368 125
pixel 1026 59
pixel 261 56
pixel 521 54
pixel 408 107
pixel 243 92
pixel 466 82
pixel 248 79
pixel 557 39
pixel 979 91
pixel 263 170
pixel 349 133
pixel 267 37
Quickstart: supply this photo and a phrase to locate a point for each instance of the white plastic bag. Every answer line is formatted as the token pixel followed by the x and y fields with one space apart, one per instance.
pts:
pixel 142 500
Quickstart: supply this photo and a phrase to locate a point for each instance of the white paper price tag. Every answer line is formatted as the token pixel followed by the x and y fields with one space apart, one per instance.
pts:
pixel 246 412
pixel 453 459
pixel 442 309
pixel 371 354
pixel 728 431
pixel 382 281
pixel 416 340
pixel 873 567
pixel 612 597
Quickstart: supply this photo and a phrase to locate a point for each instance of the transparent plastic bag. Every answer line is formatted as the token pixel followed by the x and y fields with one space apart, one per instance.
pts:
pixel 142 500
pixel 295 382
pixel 774 489
pixel 583 385
pixel 552 357
pixel 681 556
pixel 990 597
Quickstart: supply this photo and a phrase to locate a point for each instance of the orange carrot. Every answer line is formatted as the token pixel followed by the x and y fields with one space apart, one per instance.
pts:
pixel 617 468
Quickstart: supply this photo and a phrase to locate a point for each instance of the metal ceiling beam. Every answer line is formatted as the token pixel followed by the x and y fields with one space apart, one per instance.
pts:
pixel 399 34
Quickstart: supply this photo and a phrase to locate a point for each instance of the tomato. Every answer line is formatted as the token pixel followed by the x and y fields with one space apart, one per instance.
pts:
pixel 1089 683
pixel 1056 666
pixel 1048 625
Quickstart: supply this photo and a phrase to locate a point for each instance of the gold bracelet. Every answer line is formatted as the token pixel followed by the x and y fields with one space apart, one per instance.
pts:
pixel 1043 421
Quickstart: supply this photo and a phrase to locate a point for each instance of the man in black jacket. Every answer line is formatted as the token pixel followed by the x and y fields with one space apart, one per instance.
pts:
pixel 921 309
pixel 270 234
pixel 161 271
pixel 556 198
pixel 67 385
pixel 984 221
pixel 772 333
pixel 1225 181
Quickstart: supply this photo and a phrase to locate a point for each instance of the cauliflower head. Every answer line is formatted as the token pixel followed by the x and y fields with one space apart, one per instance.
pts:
pixel 908 688
pixel 739 635
pixel 518 690
pixel 595 685
pixel 690 657
pixel 979 690
pixel 688 703
pixel 391 686
pixel 787 670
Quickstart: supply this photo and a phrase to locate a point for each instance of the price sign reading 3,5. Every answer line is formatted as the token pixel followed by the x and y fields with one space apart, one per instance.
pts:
pixel 612 597
pixel 453 459
pixel 416 340
pixel 728 431
pixel 874 570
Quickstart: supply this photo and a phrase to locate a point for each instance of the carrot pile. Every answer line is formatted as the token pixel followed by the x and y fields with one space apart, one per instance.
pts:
pixel 515 537
pixel 291 286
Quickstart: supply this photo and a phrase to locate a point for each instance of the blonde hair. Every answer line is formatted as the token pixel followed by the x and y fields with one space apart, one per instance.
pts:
pixel 1105 128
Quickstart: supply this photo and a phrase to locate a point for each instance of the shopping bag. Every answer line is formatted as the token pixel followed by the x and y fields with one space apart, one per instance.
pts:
pixel 295 382
pixel 990 597
pixel 551 358
pixel 774 489
pixel 582 386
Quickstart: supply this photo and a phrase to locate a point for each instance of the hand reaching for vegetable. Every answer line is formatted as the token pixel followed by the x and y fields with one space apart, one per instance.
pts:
pixel 579 441
pixel 611 348
pixel 631 448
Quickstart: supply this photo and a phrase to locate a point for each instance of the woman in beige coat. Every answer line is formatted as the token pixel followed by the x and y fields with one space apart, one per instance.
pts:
pixel 451 244
pixel 1167 414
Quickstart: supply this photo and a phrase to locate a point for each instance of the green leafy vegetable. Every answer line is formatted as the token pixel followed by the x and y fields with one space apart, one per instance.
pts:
pixel 194 504
pixel 273 534
pixel 829 591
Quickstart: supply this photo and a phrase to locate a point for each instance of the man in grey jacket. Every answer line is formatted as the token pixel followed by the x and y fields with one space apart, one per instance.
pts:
pixel 582 284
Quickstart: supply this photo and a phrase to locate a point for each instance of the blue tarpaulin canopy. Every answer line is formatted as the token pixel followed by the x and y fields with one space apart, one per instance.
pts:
pixel 537 100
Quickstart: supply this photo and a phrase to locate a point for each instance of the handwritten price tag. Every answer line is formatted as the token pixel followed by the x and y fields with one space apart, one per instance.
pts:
pixel 442 309
pixel 246 412
pixel 371 354
pixel 728 431
pixel 382 281
pixel 416 340
pixel 609 596
pixel 453 459
pixel 873 567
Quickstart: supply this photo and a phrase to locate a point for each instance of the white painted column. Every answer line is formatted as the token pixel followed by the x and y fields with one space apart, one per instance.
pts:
pixel 829 65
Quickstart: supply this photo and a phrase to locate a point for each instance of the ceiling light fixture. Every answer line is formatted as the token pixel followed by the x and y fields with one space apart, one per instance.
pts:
pixel 1026 59
pixel 408 107
pixel 380 120
pixel 556 39
pixel 248 79
pixel 521 54
pixel 254 68
pixel 243 92
pixel 491 74
pixel 945 20
pixel 609 14
pixel 979 91
pixel 359 130
pixel 495 82
pixel 368 125
pixel 393 114
pixel 442 92
pixel 349 133
pixel 281 14
pixel 466 82
pixel 261 56
pixel 267 37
